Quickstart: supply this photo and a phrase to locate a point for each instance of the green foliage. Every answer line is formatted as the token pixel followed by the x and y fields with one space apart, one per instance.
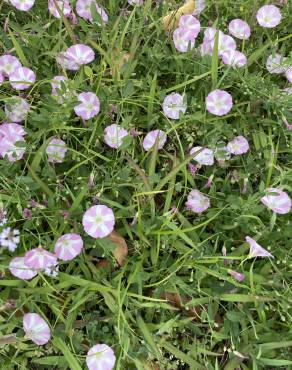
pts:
pixel 214 322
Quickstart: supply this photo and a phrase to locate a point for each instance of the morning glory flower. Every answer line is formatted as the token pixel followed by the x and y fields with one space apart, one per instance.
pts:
pixel 36 328
pixel 83 9
pixel 205 157
pixel 239 29
pixel 23 5
pixel 10 134
pixel 98 221
pixel 288 74
pixel 234 58
pixel 56 150
pixel 64 6
pixel 199 7
pixel 174 105
pixel 100 357
pixel 114 135
pixel 8 64
pixel 68 246
pixel 182 40
pixel 269 16
pixel 150 139
pixel 16 109
pixel 256 250
pixel 219 102
pixel 191 25
pixel 197 202
pixel 19 269
pixel 80 54
pixel 22 78
pixel 276 64
pixel 89 105
pixel 239 145
pixel 39 259
pixel 277 200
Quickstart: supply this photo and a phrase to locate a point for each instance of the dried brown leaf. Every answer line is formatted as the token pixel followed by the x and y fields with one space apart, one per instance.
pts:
pixel 171 20
pixel 121 251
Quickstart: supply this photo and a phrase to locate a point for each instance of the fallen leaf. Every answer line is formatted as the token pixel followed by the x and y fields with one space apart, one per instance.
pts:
pixel 171 20
pixel 121 251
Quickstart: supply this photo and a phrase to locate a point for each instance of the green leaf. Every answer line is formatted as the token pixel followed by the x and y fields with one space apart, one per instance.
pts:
pixel 72 361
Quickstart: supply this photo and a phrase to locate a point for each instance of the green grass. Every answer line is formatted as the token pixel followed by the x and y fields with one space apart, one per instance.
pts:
pixel 211 321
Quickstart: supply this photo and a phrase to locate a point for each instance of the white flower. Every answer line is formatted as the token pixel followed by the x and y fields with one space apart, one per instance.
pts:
pixel 9 239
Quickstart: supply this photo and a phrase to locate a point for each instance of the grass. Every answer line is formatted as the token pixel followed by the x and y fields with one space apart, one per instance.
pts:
pixel 172 304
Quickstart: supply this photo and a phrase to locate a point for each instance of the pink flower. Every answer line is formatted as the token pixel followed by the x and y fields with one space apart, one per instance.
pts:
pixel 173 105
pixel 98 221
pixel 237 275
pixel 83 9
pixel 256 250
pixel 269 16
pixel 182 40
pixel 10 134
pixel 56 83
pixel 56 151
pixel 210 34
pixel 39 259
pixel 100 357
pixel 206 48
pixel 276 64
pixel 277 200
pixel 8 64
pixel 135 2
pixel 64 6
pixel 22 78
pixel 16 109
pixel 199 7
pixel 225 44
pixel 80 54
pixel 191 25
pixel 58 90
pixel 36 328
pixel 68 246
pixel 66 63
pixel 197 202
pixel 23 5
pixel 219 102
pixel 288 74
pixel 114 135
pixel 1 78
pixel 289 127
pixel 11 129
pixel 150 139
pixel 239 145
pixel 234 58
pixel 19 269
pixel 192 169
pixel 205 157
pixel 239 29
pixel 89 107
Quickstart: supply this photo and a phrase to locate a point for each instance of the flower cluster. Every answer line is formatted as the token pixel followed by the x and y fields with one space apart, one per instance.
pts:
pixel 185 35
pixel 20 78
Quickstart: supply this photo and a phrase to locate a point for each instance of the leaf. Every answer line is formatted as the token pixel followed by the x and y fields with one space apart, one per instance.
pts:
pixel 147 335
pixel 71 359
pixel 121 251
pixel 18 49
pixel 215 59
